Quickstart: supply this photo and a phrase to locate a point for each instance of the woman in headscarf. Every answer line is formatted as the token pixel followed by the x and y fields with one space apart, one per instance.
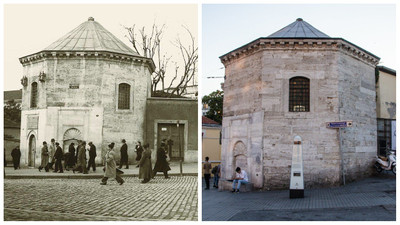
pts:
pixel 111 167
pixel 145 171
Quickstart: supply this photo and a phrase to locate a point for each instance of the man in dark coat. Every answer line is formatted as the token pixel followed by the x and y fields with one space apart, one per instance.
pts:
pixel 71 156
pixel 161 163
pixel 124 155
pixel 92 157
pixel 58 156
pixel 139 151
pixel 16 155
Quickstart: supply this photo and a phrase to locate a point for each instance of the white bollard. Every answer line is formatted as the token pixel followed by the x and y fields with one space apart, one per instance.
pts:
pixel 296 173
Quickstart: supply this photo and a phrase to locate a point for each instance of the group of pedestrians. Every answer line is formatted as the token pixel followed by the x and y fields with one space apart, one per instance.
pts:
pixel 216 171
pixel 51 155
pixel 144 163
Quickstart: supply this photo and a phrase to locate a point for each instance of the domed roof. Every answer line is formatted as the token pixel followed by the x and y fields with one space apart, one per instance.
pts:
pixel 90 36
pixel 298 29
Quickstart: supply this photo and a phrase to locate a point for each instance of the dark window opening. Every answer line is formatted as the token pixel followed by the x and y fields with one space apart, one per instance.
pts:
pixel 299 94
pixel 384 136
pixel 124 96
pixel 34 95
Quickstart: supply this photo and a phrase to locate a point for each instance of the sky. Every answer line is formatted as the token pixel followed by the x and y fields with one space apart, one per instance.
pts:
pixel 227 27
pixel 29 29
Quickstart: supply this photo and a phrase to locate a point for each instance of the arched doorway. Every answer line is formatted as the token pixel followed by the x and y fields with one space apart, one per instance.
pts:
pixel 72 135
pixel 240 156
pixel 32 151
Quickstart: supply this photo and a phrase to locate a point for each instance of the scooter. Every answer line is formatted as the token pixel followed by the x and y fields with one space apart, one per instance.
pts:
pixel 386 163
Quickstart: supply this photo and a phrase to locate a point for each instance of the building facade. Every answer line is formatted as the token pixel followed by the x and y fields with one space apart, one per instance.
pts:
pixel 88 85
pixel 292 83
pixel 211 141
pixel 386 109
pixel 175 120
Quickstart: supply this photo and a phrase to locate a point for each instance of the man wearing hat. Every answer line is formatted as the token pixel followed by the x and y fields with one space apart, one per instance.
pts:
pixel 124 155
pixel 92 157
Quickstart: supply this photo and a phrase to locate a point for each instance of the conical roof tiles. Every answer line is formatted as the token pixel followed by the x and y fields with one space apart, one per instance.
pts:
pixel 90 36
pixel 298 29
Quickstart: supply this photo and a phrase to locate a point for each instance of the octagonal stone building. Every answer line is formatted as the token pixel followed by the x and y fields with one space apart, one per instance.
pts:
pixel 292 83
pixel 87 85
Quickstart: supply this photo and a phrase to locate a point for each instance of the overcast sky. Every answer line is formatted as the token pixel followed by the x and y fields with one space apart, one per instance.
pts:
pixel 227 27
pixel 29 29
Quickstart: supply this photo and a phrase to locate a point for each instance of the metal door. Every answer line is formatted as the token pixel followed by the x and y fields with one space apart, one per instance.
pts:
pixel 174 139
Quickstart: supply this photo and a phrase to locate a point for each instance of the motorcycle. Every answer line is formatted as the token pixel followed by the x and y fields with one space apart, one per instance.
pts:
pixel 386 163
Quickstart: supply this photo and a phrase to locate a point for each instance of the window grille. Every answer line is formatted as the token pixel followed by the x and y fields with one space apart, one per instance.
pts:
pixel 299 94
pixel 123 96
pixel 34 95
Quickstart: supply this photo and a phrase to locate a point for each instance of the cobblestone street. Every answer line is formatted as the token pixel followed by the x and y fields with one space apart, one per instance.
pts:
pixel 85 199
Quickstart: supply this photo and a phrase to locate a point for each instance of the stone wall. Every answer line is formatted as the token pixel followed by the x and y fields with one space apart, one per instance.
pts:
pixel 256 114
pixel 82 92
pixel 358 103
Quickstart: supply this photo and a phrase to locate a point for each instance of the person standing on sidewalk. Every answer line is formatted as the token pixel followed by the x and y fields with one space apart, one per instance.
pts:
pixel 81 164
pixel 58 156
pixel 71 156
pixel 124 155
pixel 16 155
pixel 52 151
pixel 217 174
pixel 92 157
pixel 206 169
pixel 110 167
pixel 241 178
pixel 44 163
pixel 139 151
pixel 161 163
pixel 145 172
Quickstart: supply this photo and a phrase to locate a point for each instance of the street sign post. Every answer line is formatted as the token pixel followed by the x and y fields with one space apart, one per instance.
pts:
pixel 341 124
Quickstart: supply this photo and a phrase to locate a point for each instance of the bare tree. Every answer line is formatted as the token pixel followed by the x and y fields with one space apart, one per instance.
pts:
pixel 148 44
pixel 189 56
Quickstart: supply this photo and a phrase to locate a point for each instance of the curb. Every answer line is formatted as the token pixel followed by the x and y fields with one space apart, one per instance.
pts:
pixel 81 176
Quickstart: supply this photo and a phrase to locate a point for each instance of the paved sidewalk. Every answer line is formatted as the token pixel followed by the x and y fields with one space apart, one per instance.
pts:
pixel 369 199
pixel 188 169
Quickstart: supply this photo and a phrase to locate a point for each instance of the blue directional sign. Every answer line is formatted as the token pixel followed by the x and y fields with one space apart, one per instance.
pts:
pixel 341 124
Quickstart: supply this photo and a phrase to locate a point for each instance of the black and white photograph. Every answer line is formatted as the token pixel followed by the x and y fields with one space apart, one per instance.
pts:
pixel 100 112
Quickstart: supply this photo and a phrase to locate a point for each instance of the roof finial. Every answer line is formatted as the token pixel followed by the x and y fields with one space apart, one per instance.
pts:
pixel 299 19
pixel 91 19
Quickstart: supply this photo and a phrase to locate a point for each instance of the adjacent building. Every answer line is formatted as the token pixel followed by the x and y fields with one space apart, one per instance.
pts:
pixel 292 83
pixel 211 140
pixel 386 108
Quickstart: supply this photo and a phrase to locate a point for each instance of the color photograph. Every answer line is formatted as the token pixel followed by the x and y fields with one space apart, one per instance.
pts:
pixel 299 112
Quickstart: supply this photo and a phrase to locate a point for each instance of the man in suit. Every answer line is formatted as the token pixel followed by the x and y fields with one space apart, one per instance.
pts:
pixel 58 156
pixel 92 157
pixel 124 155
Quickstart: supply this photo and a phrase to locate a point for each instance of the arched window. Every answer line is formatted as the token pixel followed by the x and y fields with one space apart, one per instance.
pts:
pixel 124 96
pixel 299 94
pixel 34 95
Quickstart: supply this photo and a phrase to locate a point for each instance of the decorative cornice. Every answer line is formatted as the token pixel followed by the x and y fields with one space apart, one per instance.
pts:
pixel 335 44
pixel 87 54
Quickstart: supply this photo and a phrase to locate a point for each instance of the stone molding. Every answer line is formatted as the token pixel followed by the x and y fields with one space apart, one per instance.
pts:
pixel 300 44
pixel 87 54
